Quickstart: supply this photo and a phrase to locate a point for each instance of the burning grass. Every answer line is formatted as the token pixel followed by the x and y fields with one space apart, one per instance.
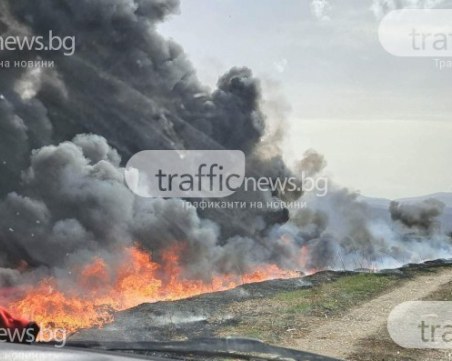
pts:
pixel 100 291
pixel 284 312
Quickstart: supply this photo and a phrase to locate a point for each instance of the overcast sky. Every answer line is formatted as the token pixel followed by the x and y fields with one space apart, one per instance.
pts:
pixel 383 123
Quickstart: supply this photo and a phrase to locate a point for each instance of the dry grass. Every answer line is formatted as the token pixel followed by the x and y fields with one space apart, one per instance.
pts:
pixel 291 315
pixel 380 346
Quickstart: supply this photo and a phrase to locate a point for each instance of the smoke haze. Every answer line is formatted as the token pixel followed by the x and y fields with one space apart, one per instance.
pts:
pixel 66 132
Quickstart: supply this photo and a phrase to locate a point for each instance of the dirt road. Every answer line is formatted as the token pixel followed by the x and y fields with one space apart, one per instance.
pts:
pixel 338 337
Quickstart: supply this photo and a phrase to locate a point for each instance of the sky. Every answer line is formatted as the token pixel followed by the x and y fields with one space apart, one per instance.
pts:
pixel 382 122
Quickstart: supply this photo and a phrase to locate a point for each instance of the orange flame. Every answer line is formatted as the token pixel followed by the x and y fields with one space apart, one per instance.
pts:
pixel 137 280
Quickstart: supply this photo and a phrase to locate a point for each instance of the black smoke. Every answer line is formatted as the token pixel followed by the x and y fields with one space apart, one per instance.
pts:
pixel 66 132
pixel 422 216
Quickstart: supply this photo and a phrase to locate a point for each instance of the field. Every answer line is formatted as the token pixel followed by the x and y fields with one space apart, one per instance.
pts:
pixel 338 314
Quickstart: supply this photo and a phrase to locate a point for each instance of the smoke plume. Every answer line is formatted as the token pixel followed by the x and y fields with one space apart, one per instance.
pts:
pixel 422 215
pixel 66 132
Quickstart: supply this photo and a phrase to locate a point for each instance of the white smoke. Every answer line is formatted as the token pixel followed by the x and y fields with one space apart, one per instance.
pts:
pixel 381 7
pixel 321 9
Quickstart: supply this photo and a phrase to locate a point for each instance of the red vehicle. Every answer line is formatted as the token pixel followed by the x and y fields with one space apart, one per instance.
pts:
pixel 17 330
